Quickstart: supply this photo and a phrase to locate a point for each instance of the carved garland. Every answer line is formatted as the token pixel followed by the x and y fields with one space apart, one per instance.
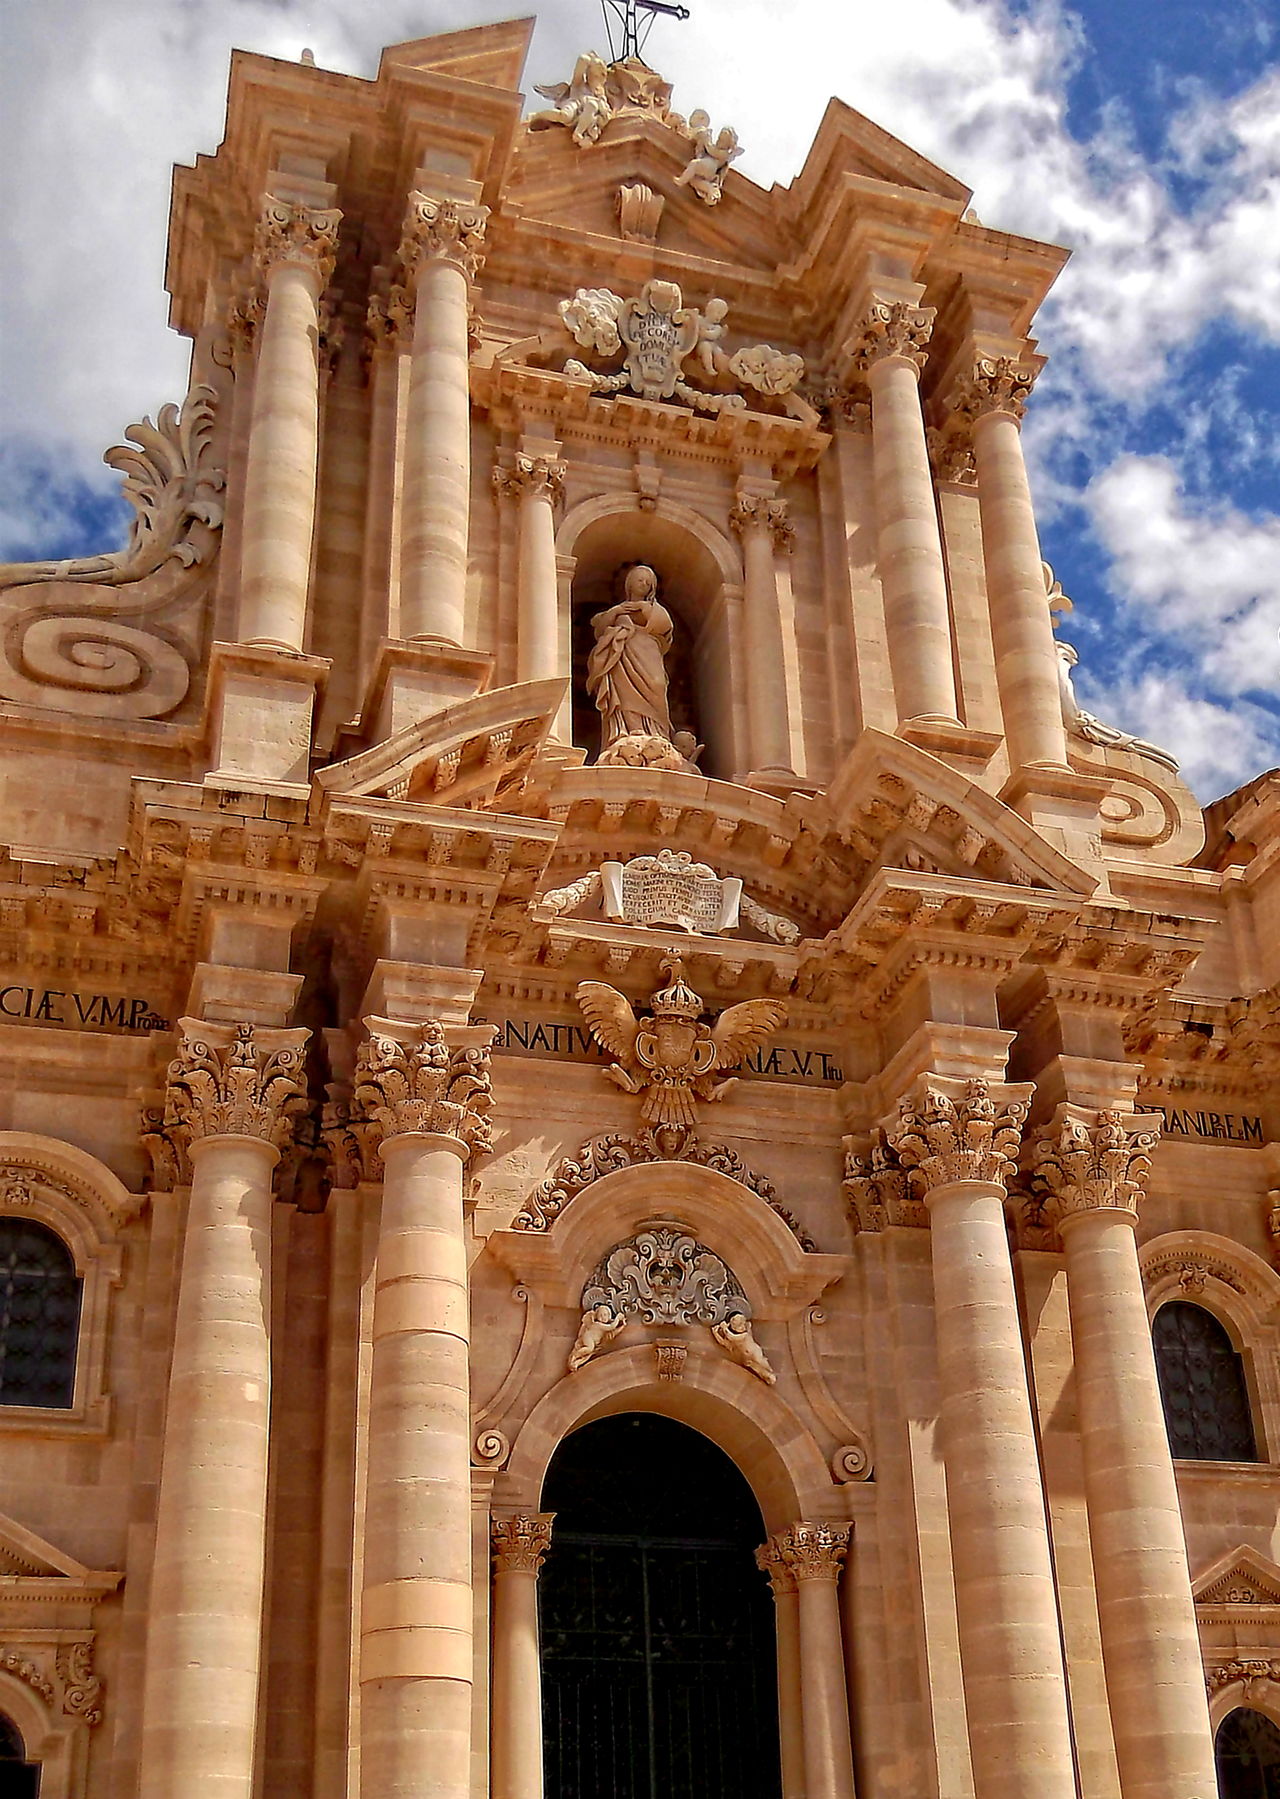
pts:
pixel 61 1674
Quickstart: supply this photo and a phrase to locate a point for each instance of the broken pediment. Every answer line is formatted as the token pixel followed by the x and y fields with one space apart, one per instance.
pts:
pixel 32 1568
pixel 1243 1580
pixel 491 55
pixel 848 143
pixel 476 753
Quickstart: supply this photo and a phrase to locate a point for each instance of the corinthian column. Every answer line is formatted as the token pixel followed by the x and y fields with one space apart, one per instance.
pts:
pixel 519 1545
pixel 812 1555
pixel 889 351
pixel 993 399
pixel 786 1601
pixel 1093 1166
pixel 442 250
pixel 431 1103
pixel 764 529
pixel 294 250
pixel 230 1095
pixel 961 1140
pixel 536 483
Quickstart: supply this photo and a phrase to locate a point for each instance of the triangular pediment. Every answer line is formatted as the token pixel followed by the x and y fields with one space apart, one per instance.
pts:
pixel 491 55
pixel 1243 1578
pixel 26 1558
pixel 848 143
pixel 477 752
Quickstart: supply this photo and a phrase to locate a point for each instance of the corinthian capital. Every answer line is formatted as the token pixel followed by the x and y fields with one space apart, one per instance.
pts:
pixel 876 1187
pixel 996 384
pixel 540 477
pixel 295 234
pixel 520 1543
pixel 424 1086
pixel 891 328
pixel 960 1130
pixel 1092 1161
pixel 807 1551
pixel 235 1081
pixel 444 231
pixel 752 512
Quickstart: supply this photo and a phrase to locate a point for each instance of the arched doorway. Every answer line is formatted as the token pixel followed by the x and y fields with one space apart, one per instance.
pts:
pixel 1247 1753
pixel 658 1657
pixel 19 1778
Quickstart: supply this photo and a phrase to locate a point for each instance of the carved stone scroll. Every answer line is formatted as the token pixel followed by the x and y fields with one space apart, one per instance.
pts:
pixel 426 1086
pixel 444 231
pixel 251 1085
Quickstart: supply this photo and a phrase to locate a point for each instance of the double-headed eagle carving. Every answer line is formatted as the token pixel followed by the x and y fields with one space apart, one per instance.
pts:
pixel 673 1058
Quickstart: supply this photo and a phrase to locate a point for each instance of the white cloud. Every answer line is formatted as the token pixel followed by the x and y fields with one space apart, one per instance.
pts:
pixel 1219 745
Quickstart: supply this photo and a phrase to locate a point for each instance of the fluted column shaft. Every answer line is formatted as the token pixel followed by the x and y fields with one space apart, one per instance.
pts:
pixel 295 249
pixel 806 1558
pixel 416 1611
pixel 441 250
pixel 889 351
pixel 1021 627
pixel 200 1703
pixel 962 1139
pixel 1150 1641
pixel 516 1755
pixel 762 526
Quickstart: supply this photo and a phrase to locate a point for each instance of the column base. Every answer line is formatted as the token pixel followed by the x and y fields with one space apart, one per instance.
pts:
pixel 413 679
pixel 259 711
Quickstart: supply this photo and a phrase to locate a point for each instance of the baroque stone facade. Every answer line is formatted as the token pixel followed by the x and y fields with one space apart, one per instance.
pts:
pixel 560 876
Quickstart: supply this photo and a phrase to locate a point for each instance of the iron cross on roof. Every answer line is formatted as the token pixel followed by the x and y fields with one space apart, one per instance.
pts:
pixel 629 22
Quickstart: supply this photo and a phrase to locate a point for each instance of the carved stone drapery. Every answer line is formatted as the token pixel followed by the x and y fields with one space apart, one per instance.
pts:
pixel 539 477
pixel 1084 1164
pixel 426 1086
pixel 520 1543
pixel 808 1551
pixel 891 328
pixel 752 512
pixel 443 231
pixel 960 1130
pixel 612 1151
pixel 302 235
pixel 996 384
pixel 117 636
pixel 252 1086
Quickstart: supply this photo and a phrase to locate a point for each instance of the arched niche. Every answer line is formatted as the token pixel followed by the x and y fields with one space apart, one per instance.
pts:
pixel 700 584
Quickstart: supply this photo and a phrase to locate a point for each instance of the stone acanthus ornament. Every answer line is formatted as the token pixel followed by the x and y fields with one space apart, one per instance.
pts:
pixel 665 1276
pixel 540 477
pixel 953 1130
pixel 891 328
pixel 426 1086
pixel 657 334
pixel 520 1543
pixel 951 453
pixel 877 1188
pixel 116 636
pixel 996 384
pixel 581 103
pixel 1256 1675
pixel 709 162
pixel 443 231
pixel 612 1151
pixel 301 235
pixel 754 512
pixel 236 1081
pixel 350 1142
pixel 245 314
pixel 61 1674
pixel 673 1058
pixel 1078 722
pixel 1087 1163
pixel 807 1551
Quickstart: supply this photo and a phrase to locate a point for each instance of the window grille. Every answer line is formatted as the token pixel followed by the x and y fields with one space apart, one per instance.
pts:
pixel 1202 1384
pixel 39 1316
pixel 1247 1755
pixel 19 1778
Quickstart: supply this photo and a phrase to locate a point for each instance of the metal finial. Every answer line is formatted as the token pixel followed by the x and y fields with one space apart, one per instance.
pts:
pixel 629 22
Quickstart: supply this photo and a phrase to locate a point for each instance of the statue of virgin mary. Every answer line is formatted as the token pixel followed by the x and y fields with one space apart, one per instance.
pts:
pixel 626 671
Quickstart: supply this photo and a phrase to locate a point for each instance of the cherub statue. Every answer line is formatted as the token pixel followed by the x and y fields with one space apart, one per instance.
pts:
pixel 598 1327
pixel 673 1058
pixel 734 1336
pixel 710 357
pixel 579 103
pixel 711 157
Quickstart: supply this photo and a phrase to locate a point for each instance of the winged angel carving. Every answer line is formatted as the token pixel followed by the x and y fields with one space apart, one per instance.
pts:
pixel 673 1058
pixel 107 634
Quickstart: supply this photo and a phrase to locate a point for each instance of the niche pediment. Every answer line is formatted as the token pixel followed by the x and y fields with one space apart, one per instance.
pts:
pixel 1242 1582
pixel 31 1568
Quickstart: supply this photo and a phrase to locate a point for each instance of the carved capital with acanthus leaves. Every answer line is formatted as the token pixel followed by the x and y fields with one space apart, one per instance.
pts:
pixel 807 1551
pixel 388 323
pixel 235 1081
pixel 531 477
pixel 753 512
pixel 425 1086
pixel 1088 1161
pixel 995 384
pixel 300 236
pixel 350 1142
pixel 520 1543
pixel 891 328
pixel 952 1130
pixel 877 1188
pixel 451 231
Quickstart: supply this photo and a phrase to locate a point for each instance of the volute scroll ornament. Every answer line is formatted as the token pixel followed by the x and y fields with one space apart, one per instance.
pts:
pixel 520 1543
pixel 302 235
pixel 995 384
pixel 1093 1162
pixel 251 1083
pixel 425 1086
pixel 891 328
pixel 950 1131
pixel 450 231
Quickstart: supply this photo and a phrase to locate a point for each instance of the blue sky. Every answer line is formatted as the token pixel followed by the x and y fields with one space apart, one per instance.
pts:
pixel 1145 136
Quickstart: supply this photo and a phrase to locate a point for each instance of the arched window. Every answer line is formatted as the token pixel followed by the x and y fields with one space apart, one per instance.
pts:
pixel 39 1315
pixel 1247 1754
pixel 19 1778
pixel 1202 1384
